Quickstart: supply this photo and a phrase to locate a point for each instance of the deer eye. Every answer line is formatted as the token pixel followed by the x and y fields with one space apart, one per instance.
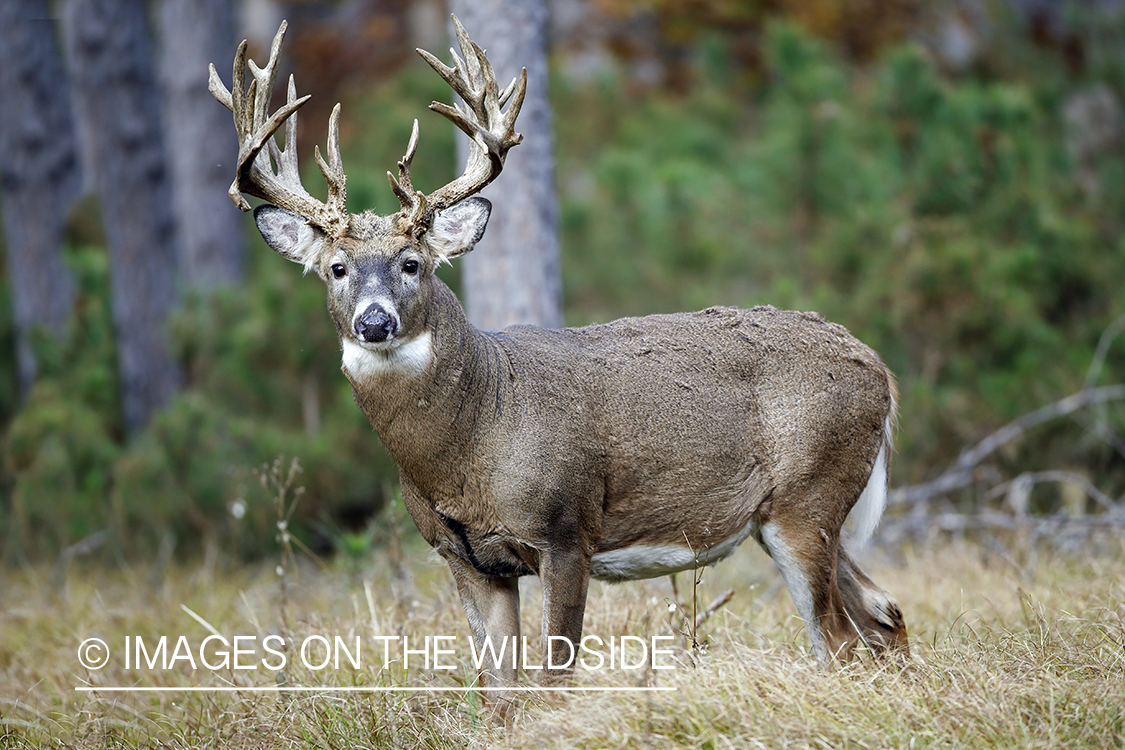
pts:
pixel 339 271
pixel 410 267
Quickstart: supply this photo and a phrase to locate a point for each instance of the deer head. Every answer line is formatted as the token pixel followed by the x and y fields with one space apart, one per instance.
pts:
pixel 378 269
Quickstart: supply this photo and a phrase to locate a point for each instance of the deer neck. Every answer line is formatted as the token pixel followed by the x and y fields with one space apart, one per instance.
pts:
pixel 433 401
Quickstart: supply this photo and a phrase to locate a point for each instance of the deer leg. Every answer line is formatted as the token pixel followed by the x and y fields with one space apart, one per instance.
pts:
pixel 492 607
pixel 566 579
pixel 806 553
pixel 872 610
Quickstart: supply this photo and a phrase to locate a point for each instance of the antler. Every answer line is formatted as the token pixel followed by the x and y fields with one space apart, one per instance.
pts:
pixel 490 131
pixel 256 127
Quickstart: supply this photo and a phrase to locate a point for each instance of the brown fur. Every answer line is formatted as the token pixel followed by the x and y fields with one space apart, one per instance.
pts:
pixel 531 451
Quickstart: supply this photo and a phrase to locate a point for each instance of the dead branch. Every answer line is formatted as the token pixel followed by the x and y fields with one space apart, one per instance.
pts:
pixel 960 474
pixel 1035 477
pixel 996 521
pixel 1108 335
pixel 713 607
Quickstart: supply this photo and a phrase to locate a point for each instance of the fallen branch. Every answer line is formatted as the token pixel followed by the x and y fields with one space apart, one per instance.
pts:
pixel 1070 477
pixel 1108 335
pixel 960 474
pixel 713 607
pixel 995 521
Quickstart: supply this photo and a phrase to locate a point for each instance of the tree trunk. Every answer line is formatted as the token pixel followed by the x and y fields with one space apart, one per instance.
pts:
pixel 513 274
pixel 113 78
pixel 39 175
pixel 195 33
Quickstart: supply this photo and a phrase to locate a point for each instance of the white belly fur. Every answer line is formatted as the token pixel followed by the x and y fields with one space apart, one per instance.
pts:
pixel 652 560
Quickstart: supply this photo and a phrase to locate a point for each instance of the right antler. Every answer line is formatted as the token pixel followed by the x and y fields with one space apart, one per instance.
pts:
pixel 490 131
pixel 256 127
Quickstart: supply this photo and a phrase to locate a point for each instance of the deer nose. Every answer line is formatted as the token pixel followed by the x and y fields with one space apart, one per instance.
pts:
pixel 376 325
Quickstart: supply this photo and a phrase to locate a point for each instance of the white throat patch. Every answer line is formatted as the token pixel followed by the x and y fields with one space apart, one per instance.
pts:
pixel 409 357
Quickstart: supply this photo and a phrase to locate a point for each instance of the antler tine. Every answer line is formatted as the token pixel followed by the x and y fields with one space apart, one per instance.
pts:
pixel 403 187
pixel 516 91
pixel 414 205
pixel 506 94
pixel 218 89
pixel 291 129
pixel 475 70
pixel 483 119
pixel 288 172
pixel 256 127
pixel 333 172
pixel 268 77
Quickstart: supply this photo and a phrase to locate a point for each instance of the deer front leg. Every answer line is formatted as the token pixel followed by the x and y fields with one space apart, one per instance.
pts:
pixel 492 607
pixel 565 576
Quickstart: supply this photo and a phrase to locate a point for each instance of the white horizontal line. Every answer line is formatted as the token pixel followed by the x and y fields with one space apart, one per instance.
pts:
pixel 360 689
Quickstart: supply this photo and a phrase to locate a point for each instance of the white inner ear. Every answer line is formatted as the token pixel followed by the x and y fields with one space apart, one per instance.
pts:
pixel 288 234
pixel 458 228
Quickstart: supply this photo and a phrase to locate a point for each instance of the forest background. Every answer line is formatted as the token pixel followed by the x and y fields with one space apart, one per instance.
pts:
pixel 945 179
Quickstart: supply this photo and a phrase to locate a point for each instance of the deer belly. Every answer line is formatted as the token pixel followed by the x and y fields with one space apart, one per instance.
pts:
pixel 651 560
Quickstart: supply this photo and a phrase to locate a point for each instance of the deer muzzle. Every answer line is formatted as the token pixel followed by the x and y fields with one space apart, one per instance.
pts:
pixel 376 325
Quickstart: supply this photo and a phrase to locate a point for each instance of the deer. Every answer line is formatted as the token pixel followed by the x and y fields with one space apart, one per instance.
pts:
pixel 620 451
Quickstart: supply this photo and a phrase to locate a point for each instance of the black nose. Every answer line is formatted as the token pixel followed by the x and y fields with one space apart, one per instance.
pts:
pixel 376 325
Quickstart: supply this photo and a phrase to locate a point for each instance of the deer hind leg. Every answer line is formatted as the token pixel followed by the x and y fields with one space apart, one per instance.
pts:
pixel 873 610
pixel 806 555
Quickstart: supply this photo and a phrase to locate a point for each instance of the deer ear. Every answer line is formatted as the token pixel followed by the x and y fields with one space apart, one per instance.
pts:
pixel 288 234
pixel 458 228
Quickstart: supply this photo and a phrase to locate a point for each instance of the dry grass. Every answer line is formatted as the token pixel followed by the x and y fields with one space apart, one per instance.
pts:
pixel 1004 656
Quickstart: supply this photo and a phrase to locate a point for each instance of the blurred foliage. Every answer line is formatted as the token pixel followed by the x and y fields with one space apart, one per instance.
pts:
pixel 264 381
pixel 938 216
pixel 61 445
pixel 671 31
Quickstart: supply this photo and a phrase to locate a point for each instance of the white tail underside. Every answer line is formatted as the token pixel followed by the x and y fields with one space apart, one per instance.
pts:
pixel 869 508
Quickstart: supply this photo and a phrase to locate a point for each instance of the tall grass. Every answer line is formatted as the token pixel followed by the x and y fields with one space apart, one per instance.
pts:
pixel 1004 655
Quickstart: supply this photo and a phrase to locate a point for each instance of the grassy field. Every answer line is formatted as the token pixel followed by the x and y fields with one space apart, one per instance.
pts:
pixel 1010 650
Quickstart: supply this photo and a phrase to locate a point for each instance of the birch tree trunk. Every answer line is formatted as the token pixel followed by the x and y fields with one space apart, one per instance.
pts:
pixel 513 274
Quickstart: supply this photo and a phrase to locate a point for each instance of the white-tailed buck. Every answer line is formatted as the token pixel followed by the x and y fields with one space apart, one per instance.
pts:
pixel 627 450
